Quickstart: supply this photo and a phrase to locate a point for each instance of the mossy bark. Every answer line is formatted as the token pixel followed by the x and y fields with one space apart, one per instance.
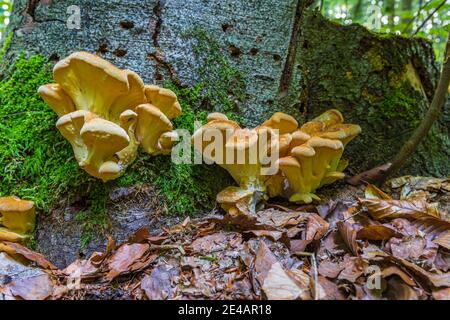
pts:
pixel 248 58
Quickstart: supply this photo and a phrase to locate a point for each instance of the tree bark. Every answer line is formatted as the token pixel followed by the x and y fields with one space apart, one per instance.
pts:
pixel 290 57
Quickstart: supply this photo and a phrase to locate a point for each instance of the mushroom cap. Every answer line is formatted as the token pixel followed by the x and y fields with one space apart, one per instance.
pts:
pixel 15 204
pixel 54 95
pixel 318 142
pixel 168 139
pixel 343 132
pixel 151 124
pixel 330 117
pixel 18 215
pixel 288 161
pixel 104 134
pixel 216 116
pixel 313 127
pixel 98 86
pixel 11 236
pixel 163 99
pixel 226 128
pixel 231 195
pixel 303 151
pixel 282 122
pixel 242 139
pixel 109 168
pixel 299 137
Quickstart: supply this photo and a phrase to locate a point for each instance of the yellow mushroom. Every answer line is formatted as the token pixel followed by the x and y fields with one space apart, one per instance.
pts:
pixel 18 218
pixel 89 87
pixel 103 139
pixel 152 124
pixel 315 155
pixel 241 152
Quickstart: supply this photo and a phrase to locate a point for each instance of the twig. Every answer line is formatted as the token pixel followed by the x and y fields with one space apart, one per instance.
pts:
pixel 429 17
pixel 421 7
pixel 427 122
pixel 315 272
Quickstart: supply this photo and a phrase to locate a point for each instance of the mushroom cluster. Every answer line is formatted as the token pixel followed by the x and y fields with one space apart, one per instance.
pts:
pixel 106 113
pixel 245 154
pixel 314 158
pixel 17 217
pixel 305 158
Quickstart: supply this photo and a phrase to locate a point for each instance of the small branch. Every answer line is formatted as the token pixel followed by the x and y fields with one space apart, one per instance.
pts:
pixel 315 272
pixel 429 16
pixel 427 122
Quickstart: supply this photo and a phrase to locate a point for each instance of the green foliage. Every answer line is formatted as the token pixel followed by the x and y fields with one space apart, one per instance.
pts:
pixel 403 17
pixel 36 161
pixel 5 11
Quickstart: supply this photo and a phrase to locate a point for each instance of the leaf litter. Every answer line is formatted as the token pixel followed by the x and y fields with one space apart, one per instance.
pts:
pixel 391 244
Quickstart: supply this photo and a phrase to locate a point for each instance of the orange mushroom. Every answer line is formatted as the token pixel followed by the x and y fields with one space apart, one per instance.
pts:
pixel 98 105
pixel 18 218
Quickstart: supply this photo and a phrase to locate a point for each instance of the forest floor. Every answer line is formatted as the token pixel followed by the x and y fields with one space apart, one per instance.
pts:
pixel 358 243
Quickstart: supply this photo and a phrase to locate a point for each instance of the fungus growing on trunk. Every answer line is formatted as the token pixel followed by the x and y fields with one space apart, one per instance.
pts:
pixel 18 218
pixel 100 112
pixel 249 155
pixel 315 155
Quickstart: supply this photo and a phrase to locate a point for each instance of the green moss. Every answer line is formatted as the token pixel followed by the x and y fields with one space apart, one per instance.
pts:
pixel 94 221
pixel 397 105
pixel 189 188
pixel 6 44
pixel 220 84
pixel 37 162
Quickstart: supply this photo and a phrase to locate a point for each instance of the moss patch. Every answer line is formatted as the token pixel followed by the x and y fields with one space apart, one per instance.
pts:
pixel 37 162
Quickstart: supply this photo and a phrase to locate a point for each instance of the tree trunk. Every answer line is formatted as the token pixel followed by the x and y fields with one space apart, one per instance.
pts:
pixel 286 57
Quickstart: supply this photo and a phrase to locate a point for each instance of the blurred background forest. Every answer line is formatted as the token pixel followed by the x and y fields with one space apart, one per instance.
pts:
pixel 425 18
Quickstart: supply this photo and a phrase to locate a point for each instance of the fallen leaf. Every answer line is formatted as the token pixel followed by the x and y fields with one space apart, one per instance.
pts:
pixel 353 268
pixel 348 234
pixel 30 255
pixel 389 209
pixel 376 232
pixel 160 284
pixel 124 257
pixel 316 227
pixel 442 294
pixel 443 240
pixel 279 286
pixel 33 288
pixel 330 269
pixel 274 235
pixel 372 192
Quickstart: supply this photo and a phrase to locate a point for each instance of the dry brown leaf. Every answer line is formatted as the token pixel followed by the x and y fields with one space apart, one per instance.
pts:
pixel 274 235
pixel 443 240
pixel 389 209
pixel 30 255
pixel 330 269
pixel 316 227
pixel 353 268
pixel 373 192
pixel 348 234
pixel 160 284
pixel 33 288
pixel 121 261
pixel 442 294
pixel 376 232
pixel 436 279
pixel 279 286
